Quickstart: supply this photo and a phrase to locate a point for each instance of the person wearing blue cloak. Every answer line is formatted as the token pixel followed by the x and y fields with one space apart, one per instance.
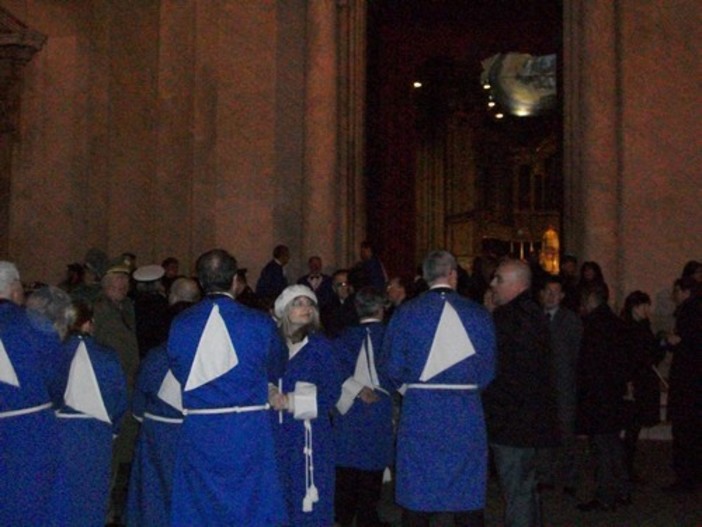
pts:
pixel 28 428
pixel 94 402
pixel 308 387
pixel 225 470
pixel 442 351
pixel 157 404
pixel 363 422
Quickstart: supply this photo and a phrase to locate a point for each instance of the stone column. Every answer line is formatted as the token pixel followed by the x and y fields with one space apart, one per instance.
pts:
pixel 18 44
pixel 321 193
pixel 592 167
pixel 351 143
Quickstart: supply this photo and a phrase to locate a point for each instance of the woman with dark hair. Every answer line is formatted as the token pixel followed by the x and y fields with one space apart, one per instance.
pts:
pixel 644 393
pixel 591 276
pixel 309 386
pixel 693 268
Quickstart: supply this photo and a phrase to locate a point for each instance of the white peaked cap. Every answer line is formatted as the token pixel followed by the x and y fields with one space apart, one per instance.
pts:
pixel 450 346
pixel 170 393
pixel 82 390
pixel 289 294
pixel 148 273
pixel 7 372
pixel 215 353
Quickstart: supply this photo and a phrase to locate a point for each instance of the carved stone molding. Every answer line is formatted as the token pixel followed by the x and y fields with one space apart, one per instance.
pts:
pixel 18 44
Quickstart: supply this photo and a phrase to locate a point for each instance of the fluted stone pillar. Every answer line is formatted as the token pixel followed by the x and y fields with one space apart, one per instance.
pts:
pixel 632 156
pixel 351 143
pixel 592 127
pixel 18 44
pixel 321 197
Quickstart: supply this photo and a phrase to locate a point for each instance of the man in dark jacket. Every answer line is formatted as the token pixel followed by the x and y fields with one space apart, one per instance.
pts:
pixel 272 280
pixel 520 403
pixel 685 395
pixel 603 371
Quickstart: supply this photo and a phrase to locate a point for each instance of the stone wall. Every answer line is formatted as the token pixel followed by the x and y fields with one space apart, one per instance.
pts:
pixel 633 161
pixel 169 127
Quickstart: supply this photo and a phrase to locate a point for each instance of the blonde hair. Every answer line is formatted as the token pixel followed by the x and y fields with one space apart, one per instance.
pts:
pixel 297 334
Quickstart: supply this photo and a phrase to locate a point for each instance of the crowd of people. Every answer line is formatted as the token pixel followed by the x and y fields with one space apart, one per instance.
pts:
pixel 134 395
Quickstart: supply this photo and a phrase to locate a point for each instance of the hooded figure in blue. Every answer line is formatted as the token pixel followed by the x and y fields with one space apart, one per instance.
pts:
pixel 225 471
pixel 363 422
pixel 306 387
pixel 157 404
pixel 94 402
pixel 442 352
pixel 28 429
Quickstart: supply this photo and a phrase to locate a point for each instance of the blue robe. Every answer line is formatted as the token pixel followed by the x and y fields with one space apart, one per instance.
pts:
pixel 225 471
pixel 364 437
pixel 28 443
pixel 315 364
pixel 150 483
pixel 441 445
pixel 82 486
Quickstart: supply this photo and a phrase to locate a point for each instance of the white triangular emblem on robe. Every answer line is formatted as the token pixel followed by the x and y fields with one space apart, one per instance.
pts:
pixel 7 372
pixel 365 372
pixel 169 391
pixel 82 390
pixel 215 353
pixel 450 346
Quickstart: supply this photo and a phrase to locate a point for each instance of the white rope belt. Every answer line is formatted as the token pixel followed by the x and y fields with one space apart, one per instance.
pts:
pixel 226 410
pixel 25 411
pixel 62 415
pixel 428 386
pixel 162 419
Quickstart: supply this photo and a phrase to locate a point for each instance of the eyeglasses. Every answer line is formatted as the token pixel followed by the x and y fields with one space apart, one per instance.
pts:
pixel 302 302
pixel 341 284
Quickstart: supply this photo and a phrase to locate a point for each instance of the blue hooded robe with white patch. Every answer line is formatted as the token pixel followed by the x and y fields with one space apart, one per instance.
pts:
pixel 442 450
pixel 225 469
pixel 364 436
pixel 28 431
pixel 151 477
pixel 314 363
pixel 95 400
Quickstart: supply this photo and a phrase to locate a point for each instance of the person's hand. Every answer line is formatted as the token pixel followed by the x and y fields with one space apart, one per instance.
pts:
pixel 673 339
pixel 277 400
pixel 368 396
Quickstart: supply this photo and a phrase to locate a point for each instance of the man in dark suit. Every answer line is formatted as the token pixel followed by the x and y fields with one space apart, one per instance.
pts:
pixel 318 282
pixel 272 280
pixel 340 312
pixel 557 466
pixel 520 403
pixel 603 371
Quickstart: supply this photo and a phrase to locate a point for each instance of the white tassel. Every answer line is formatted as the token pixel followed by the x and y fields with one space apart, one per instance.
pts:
pixel 307 504
pixel 311 492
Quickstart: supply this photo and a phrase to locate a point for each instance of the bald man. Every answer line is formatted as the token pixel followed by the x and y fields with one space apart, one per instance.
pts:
pixel 520 403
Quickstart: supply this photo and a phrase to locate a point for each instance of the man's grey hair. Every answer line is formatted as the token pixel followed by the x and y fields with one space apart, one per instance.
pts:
pixel 54 305
pixel 438 264
pixel 369 301
pixel 8 276
pixel 184 290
